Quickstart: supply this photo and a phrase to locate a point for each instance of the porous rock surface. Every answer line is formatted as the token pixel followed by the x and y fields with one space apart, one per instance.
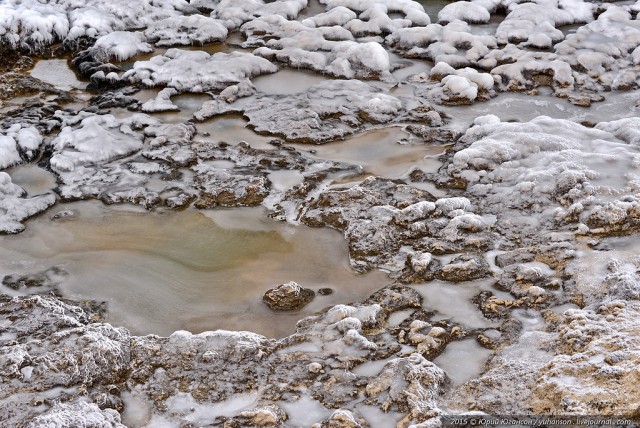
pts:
pixel 288 297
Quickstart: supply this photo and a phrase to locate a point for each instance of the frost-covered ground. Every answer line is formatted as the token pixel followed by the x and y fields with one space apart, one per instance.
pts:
pixel 484 153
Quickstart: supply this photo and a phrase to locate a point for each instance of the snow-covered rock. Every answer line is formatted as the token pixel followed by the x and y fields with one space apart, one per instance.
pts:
pixel 8 152
pixel 534 22
pixel 197 71
pixel 234 13
pixel 329 50
pixel 557 169
pixel 38 24
pixel 120 45
pixel 162 102
pixel 186 30
pixel 452 43
pixel 15 207
pixel 339 15
pixel 467 11
pixel 97 139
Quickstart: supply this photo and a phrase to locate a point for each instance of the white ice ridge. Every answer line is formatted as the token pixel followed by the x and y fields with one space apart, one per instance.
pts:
pixel 554 170
pixel 97 139
pixel 16 207
pixel 121 45
pixel 197 71
pixel 18 139
pixel 36 23
pixel 234 13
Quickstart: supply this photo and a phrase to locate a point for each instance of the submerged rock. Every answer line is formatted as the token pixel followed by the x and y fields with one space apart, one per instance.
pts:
pixel 36 283
pixel 288 297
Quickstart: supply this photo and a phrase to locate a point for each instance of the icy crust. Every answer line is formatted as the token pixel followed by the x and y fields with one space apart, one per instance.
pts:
pixel 585 363
pixel 403 229
pixel 60 369
pixel 457 87
pixel 48 353
pixel 351 40
pixel 186 30
pixel 36 24
pixel 536 23
pixel 197 71
pixel 605 51
pixel 325 112
pixel 15 206
pixel 599 56
pixel 96 139
pixel 81 413
pixel 452 43
pixel 330 50
pixel 561 171
pixel 120 45
pixel 553 185
pixel 598 364
pixel 144 161
pixel 234 13
pixel 373 15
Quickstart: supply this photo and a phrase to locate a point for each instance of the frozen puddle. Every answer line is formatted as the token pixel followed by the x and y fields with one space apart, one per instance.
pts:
pixel 33 179
pixel 138 412
pixel 463 360
pixel 453 301
pixel 57 73
pixel 161 272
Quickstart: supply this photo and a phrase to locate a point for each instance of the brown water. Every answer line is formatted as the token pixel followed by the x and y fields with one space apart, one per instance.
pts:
pixel 522 108
pixel 388 152
pixel 57 73
pixel 161 272
pixel 313 8
pixel 33 179
pixel 232 129
pixel 433 7
pixel 287 82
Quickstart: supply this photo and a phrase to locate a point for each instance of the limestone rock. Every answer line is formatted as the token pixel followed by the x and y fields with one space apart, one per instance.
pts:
pixel 288 297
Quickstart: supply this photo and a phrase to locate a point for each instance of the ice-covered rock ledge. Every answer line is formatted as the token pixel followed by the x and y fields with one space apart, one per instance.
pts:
pixel 15 206
pixel 61 369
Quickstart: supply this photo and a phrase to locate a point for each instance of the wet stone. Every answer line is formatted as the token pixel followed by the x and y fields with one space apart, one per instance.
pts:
pixel 288 297
pixel 465 267
pixel 513 257
pixel 40 282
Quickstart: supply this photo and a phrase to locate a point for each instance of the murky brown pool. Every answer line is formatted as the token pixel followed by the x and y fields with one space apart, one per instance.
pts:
pixel 161 272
